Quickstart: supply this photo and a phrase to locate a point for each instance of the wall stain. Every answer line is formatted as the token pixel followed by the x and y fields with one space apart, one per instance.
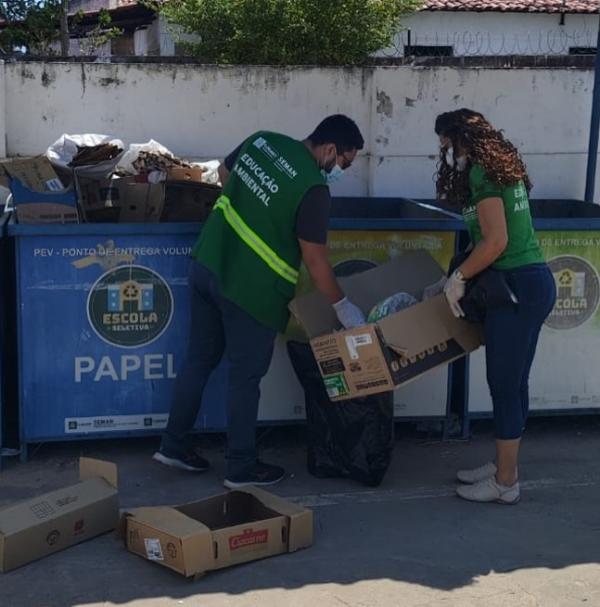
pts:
pixel 83 80
pixel 47 78
pixel 109 81
pixel 27 74
pixel 384 104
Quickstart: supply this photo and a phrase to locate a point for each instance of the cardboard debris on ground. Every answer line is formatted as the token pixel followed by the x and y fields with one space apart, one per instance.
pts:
pixel 217 532
pixel 54 521
pixel 399 348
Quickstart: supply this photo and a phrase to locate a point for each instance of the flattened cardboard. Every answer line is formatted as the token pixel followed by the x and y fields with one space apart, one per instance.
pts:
pixel 46 212
pixel 217 532
pixel 399 348
pixel 57 520
pixel 36 174
pixel 38 194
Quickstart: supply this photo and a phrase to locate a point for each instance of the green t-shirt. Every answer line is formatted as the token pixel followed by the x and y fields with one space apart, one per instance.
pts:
pixel 523 248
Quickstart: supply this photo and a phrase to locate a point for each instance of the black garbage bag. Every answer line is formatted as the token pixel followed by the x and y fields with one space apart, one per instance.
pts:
pixel 351 438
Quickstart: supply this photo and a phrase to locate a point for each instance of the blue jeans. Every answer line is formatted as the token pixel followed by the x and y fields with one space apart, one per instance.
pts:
pixel 220 328
pixel 511 335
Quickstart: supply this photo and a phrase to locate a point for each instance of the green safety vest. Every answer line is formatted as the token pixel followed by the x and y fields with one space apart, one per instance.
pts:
pixel 249 240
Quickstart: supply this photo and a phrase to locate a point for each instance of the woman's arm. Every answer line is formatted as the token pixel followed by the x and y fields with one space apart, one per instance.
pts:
pixel 492 220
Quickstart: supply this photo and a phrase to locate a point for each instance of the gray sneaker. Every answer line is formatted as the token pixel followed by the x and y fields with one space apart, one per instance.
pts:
pixel 470 477
pixel 489 490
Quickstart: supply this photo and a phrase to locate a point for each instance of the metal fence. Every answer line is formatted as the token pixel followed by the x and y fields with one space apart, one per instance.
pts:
pixel 481 43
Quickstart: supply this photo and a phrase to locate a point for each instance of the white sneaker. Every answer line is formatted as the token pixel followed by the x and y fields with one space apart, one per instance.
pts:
pixel 489 490
pixel 470 477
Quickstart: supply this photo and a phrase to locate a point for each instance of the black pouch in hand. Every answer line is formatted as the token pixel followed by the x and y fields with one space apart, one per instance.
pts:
pixel 486 291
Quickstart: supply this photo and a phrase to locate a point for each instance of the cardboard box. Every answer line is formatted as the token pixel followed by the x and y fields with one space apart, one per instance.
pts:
pixel 399 348
pixel 122 200
pixel 189 202
pixel 97 194
pixel 52 522
pixel 38 194
pixel 217 532
pixel 185 174
pixel 140 202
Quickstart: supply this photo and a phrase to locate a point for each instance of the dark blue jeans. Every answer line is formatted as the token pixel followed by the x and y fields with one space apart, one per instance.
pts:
pixel 220 328
pixel 511 335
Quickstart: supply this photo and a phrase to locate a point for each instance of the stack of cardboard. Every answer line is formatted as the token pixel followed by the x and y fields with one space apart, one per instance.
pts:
pixel 90 178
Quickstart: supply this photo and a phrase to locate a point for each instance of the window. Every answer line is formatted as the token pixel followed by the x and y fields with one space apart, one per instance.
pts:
pixel 582 50
pixel 428 51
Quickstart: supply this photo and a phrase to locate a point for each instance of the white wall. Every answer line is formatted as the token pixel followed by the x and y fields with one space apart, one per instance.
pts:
pixel 205 111
pixel 497 33
pixel 545 112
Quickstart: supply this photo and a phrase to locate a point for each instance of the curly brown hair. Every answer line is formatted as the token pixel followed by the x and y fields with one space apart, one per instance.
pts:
pixel 484 145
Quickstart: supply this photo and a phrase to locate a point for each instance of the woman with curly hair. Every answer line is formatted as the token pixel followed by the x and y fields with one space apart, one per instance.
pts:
pixel 482 173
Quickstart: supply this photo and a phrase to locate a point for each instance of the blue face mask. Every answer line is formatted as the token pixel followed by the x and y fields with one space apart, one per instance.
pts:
pixel 334 175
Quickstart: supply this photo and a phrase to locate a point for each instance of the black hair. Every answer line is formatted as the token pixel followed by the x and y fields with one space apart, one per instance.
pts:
pixel 340 130
pixel 472 134
pixel 449 122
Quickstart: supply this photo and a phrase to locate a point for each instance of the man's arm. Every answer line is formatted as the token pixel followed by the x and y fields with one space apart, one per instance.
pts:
pixel 311 230
pixel 316 260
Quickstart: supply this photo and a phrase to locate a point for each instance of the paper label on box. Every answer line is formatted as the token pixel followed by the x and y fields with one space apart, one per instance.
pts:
pixel 336 385
pixel 54 185
pixel 353 342
pixel 153 549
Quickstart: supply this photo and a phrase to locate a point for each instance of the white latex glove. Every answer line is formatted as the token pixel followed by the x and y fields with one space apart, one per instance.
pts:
pixel 454 290
pixel 435 289
pixel 348 314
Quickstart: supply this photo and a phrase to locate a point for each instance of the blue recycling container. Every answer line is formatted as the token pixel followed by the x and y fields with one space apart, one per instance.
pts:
pixel 5 267
pixel 102 321
pixel 101 329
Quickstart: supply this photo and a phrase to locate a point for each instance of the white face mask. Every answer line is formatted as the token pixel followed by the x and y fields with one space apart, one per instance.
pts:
pixel 334 175
pixel 450 156
pixel 461 161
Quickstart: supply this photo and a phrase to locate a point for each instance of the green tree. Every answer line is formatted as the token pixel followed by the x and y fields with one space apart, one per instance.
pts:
pixel 31 25
pixel 286 32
